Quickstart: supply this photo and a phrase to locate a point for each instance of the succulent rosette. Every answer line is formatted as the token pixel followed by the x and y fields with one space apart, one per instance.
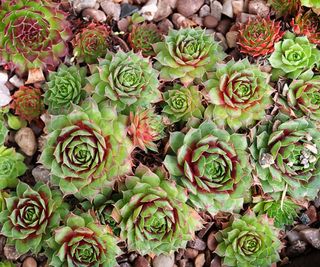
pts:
pixel 33 34
pixel 307 24
pixel 284 7
pixel 3 132
pixel 27 103
pixel 30 216
pixel 87 149
pixel 238 94
pixel 143 36
pixel 283 212
pixel 64 88
pixel 82 242
pixel 127 80
pixel 258 36
pixel 187 54
pixel 248 241
pixel 144 128
pixel 302 98
pixel 182 103
pixel 310 3
pixel 11 167
pixel 285 156
pixel 153 213
pixel 90 43
pixel 294 57
pixel 212 165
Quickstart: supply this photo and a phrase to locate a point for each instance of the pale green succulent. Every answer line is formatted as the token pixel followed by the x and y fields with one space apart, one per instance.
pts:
pixel 238 94
pixel 248 241
pixel 182 103
pixel 285 155
pixel 294 57
pixel 127 80
pixel 3 132
pixel 212 165
pixel 153 214
pixel 187 54
pixel 87 149
pixel 11 167
pixel 311 3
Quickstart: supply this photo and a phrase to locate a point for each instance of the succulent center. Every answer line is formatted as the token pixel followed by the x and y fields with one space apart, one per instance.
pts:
pixel 249 244
pixel 215 168
pixel 294 55
pixel 129 78
pixel 86 253
pixel 315 98
pixel 6 166
pixel 31 214
pixel 179 102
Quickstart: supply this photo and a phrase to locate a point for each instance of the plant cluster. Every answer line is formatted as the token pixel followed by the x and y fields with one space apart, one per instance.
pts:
pixel 222 136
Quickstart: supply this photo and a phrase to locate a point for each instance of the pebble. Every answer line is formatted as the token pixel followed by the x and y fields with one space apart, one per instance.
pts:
pixel 41 174
pixel 204 11
pixel 26 140
pixel 312 214
pixel 191 253
pixel 258 7
pixel 216 262
pixel 304 218
pixel 163 260
pixel 200 260
pixel 16 81
pixel 111 9
pixel 298 247
pixel 216 9
pixel 123 24
pixel 141 262
pixel 210 21
pixel 232 38
pixel 197 244
pixel 220 38
pixel 227 8
pixel 238 7
pixel 3 77
pixel 211 241
pixel 317 201
pixel 189 7
pixel 149 10
pixel 165 8
pixel 127 10
pixel 165 25
pixel 224 26
pixel 125 264
pixel 293 236
pixel 181 21
pixel 80 5
pixel 244 17
pixel 29 262
pixel 94 14
pixel 312 236
pixel 11 253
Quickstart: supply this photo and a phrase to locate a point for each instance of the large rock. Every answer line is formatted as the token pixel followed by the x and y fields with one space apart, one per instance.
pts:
pixel 111 9
pixel 165 8
pixel 259 7
pixel 80 5
pixel 163 260
pixel 189 7
pixel 26 140
pixel 216 9
pixel 94 14
pixel 312 236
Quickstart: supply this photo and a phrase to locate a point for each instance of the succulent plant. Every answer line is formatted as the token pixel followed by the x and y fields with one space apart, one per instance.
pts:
pixel 3 132
pixel 310 3
pixel 127 80
pixel 33 34
pixel 283 212
pixel 302 98
pixel 307 24
pixel 30 216
pixel 11 167
pixel 238 94
pixel 7 264
pixel 3 196
pixel 153 213
pixel 143 36
pixel 293 57
pixel 285 156
pixel 182 103
pixel 248 241
pixel 86 149
pixel 284 7
pixel 90 43
pixel 144 128
pixel 82 242
pixel 64 88
pixel 27 103
pixel 212 165
pixel 187 54
pixel 258 36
